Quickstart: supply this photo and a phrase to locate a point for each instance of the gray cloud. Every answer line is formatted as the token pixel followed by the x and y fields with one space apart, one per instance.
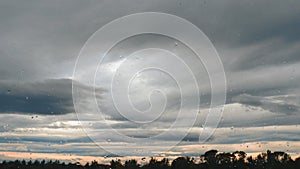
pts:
pixel 258 42
pixel 46 97
pixel 272 104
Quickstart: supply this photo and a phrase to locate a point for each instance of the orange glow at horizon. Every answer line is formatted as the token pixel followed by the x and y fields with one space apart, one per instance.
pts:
pixel 250 148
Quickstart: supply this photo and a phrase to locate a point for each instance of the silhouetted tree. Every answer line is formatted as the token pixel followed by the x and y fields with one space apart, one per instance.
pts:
pixel 116 164
pixel 209 160
pixel 239 161
pixel 131 164
pixel 210 157
pixel 181 162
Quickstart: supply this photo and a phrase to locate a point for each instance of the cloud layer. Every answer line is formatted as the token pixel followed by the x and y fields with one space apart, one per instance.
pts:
pixel 258 43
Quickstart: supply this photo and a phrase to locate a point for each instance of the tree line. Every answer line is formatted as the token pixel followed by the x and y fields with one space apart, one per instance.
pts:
pixel 209 160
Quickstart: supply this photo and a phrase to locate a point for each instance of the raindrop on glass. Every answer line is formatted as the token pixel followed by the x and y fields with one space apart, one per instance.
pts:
pixel 5 126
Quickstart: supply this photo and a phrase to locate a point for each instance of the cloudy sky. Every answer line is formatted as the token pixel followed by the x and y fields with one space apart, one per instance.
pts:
pixel 258 43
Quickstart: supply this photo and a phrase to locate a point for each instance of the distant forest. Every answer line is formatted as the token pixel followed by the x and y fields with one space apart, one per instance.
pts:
pixel 209 160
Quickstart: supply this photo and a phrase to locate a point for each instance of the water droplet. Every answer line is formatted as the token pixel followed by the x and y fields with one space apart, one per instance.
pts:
pixel 120 56
pixel 27 97
pixel 5 126
pixel 176 43
pixel 8 91
pixel 231 128
pixel 108 140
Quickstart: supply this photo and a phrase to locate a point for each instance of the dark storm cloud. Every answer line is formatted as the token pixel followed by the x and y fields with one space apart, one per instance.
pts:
pixel 41 104
pixel 53 33
pixel 252 22
pixel 48 97
pixel 275 52
pixel 267 103
pixel 288 28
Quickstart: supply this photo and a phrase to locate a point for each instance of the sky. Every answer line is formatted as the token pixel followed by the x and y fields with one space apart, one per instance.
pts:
pixel 258 43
